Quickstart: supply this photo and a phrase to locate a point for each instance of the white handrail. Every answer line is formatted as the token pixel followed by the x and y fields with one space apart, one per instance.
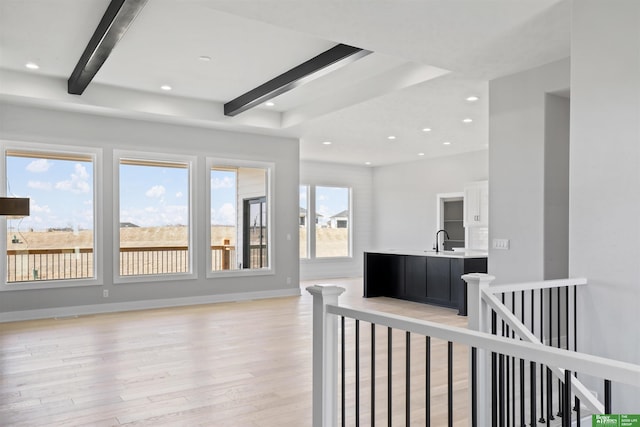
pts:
pixel 545 284
pixel 614 370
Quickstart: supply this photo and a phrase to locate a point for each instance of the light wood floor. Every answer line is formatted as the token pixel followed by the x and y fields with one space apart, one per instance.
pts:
pixel 229 364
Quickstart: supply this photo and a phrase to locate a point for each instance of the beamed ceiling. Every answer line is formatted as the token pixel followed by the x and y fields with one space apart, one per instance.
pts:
pixel 351 73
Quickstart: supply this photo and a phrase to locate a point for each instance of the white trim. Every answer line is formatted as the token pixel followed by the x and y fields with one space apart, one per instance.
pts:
pixel 270 168
pixel 96 155
pixel 46 313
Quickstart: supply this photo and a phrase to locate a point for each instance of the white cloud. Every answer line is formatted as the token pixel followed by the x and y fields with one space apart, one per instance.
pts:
pixel 39 166
pixel 78 182
pixel 179 194
pixel 40 185
pixel 226 182
pixel 34 207
pixel 226 215
pixel 156 191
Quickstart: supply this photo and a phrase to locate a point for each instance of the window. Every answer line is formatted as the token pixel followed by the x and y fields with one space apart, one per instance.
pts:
pixel 56 241
pixel 325 212
pixel 332 230
pixel 240 216
pixel 303 221
pixel 154 216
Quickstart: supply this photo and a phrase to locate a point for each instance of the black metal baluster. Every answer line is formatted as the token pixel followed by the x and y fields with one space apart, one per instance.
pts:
pixel 575 346
pixel 357 373
pixel 566 409
pixel 494 376
pixel 522 317
pixel 501 402
pixel 513 364
pixel 342 374
pixel 373 375
pixel 427 380
pixel 532 394
pixel 474 388
pixel 541 420
pixel 389 387
pixel 607 396
pixel 450 382
pixel 522 379
pixel 550 416
pixel 407 380
pixel 560 402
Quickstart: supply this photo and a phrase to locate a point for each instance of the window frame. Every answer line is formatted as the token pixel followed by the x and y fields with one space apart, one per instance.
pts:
pixel 41 150
pixel 153 157
pixel 270 168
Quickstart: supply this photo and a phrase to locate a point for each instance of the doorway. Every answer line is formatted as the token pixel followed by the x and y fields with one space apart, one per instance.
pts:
pixel 255 233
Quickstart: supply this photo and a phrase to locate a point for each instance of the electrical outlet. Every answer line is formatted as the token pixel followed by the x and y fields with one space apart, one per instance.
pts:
pixel 288 280
pixel 105 293
pixel 501 244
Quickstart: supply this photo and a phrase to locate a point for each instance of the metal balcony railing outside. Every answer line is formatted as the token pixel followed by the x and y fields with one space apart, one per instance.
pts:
pixel 78 263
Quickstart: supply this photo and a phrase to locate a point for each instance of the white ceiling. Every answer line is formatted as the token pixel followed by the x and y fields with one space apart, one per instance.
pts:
pixel 428 57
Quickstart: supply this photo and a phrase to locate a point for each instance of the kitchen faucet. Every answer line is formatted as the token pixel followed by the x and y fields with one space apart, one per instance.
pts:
pixel 447 236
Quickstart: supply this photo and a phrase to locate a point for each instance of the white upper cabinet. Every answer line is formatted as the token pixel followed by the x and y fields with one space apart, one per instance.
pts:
pixel 476 204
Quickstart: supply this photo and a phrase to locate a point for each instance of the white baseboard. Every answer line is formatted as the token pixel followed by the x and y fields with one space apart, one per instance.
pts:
pixel 79 310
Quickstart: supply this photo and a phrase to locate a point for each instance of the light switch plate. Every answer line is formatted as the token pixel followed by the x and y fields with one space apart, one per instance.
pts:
pixel 501 244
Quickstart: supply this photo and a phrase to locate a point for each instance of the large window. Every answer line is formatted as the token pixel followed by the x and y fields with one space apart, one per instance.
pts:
pixel 154 216
pixel 56 241
pixel 332 229
pixel 240 217
pixel 325 222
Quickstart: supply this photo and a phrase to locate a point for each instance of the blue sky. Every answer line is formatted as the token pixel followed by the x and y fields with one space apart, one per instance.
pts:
pixel 329 201
pixel 61 192
pixel 223 195
pixel 152 196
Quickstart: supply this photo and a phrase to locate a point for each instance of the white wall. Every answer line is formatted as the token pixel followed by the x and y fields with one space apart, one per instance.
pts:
pixel 605 180
pixel 359 179
pixel 556 187
pixel 517 169
pixel 34 124
pixel 405 197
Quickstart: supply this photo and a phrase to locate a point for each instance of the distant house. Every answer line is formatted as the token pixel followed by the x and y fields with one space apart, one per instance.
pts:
pixel 339 220
pixel 128 225
pixel 303 217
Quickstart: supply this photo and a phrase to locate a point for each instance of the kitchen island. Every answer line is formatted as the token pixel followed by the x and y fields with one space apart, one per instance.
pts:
pixel 422 276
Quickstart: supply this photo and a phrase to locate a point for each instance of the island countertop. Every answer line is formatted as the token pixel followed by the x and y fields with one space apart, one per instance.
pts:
pixel 432 253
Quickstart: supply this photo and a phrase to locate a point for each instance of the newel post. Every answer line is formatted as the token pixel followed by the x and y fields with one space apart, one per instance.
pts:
pixel 478 315
pixel 325 356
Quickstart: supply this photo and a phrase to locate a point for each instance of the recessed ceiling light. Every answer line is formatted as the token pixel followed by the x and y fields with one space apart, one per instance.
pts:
pixel 367 163
pixel 391 137
pixel 204 58
pixel 269 104
pixel 420 154
pixel 467 120
pixel 327 143
pixel 472 98
pixel 446 143
pixel 32 65
pixel 166 87
pixel 426 129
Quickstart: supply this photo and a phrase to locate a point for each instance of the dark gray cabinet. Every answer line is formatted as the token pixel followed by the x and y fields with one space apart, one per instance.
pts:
pixel 427 279
pixel 415 276
pixel 438 276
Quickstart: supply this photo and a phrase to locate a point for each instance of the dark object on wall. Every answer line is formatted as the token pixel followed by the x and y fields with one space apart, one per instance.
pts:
pixel 14 206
